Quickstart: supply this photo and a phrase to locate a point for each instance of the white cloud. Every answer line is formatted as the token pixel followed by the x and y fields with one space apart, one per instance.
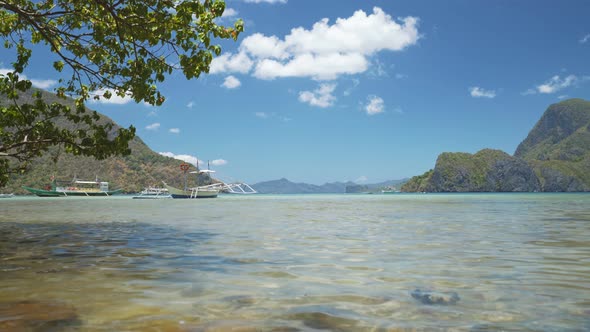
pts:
pixel 323 52
pixel 361 178
pixel 231 82
pixel 184 157
pixel 231 63
pixel 153 126
pixel 260 46
pixel 43 84
pixel 378 69
pixel 218 162
pixel 38 83
pixel 375 105
pixel 318 67
pixel 477 92
pixel 267 1
pixel 261 115
pixel 174 130
pixel 190 104
pixel 555 84
pixel 562 97
pixel 115 99
pixel 320 97
pixel 229 12
pixel 194 160
pixel 584 39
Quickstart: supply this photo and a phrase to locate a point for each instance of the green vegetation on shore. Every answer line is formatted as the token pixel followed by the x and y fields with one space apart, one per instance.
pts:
pixel 555 157
pixel 142 167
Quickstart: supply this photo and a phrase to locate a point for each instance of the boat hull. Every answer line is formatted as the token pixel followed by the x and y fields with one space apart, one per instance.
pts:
pixel 53 193
pixel 203 193
pixel 152 197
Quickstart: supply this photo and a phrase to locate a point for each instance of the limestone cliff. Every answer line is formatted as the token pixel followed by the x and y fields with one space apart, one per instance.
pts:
pixel 555 156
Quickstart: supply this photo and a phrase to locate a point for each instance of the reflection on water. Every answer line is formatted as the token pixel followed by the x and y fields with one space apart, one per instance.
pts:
pixel 489 262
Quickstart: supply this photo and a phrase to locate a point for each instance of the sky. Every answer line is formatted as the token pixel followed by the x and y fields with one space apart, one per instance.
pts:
pixel 364 91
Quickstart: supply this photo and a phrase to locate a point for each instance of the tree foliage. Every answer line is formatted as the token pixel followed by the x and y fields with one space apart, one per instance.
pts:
pixel 102 48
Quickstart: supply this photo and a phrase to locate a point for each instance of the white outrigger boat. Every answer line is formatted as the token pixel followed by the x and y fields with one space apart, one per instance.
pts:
pixel 211 190
pixel 153 193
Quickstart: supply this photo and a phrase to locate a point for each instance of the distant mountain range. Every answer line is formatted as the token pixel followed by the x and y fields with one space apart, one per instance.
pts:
pixel 284 186
pixel 554 157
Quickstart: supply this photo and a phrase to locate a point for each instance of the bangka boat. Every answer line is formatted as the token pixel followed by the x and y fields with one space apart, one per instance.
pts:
pixel 6 195
pixel 74 188
pixel 210 191
pixel 153 193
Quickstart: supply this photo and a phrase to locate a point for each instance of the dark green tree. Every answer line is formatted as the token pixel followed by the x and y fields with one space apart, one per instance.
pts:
pixel 101 48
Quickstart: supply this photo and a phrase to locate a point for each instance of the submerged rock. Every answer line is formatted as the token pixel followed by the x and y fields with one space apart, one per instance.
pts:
pixel 324 321
pixel 432 297
pixel 36 315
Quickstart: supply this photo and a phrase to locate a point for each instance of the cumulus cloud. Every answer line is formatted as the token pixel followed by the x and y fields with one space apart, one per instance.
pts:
pixel 174 130
pixel 323 52
pixel 115 99
pixel 375 105
pixel 193 160
pixel 43 84
pixel 190 104
pixel 585 39
pixel 315 66
pixel 229 12
pixel 231 82
pixel 38 83
pixel 153 126
pixel 477 92
pixel 218 162
pixel 320 97
pixel 231 63
pixel 184 157
pixel 260 46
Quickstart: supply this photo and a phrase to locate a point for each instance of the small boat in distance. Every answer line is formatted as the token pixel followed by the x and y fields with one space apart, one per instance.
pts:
pixel 153 193
pixel 390 190
pixel 74 188
pixel 6 195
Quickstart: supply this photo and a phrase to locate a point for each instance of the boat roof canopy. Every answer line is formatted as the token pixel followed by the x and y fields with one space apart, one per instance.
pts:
pixel 89 182
pixel 203 171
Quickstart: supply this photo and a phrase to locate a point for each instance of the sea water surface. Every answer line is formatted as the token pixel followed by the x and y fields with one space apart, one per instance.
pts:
pixel 423 262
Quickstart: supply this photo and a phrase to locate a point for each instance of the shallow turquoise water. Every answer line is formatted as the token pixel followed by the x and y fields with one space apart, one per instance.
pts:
pixel 300 262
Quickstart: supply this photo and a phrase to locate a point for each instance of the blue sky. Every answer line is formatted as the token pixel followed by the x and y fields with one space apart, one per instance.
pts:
pixel 334 90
